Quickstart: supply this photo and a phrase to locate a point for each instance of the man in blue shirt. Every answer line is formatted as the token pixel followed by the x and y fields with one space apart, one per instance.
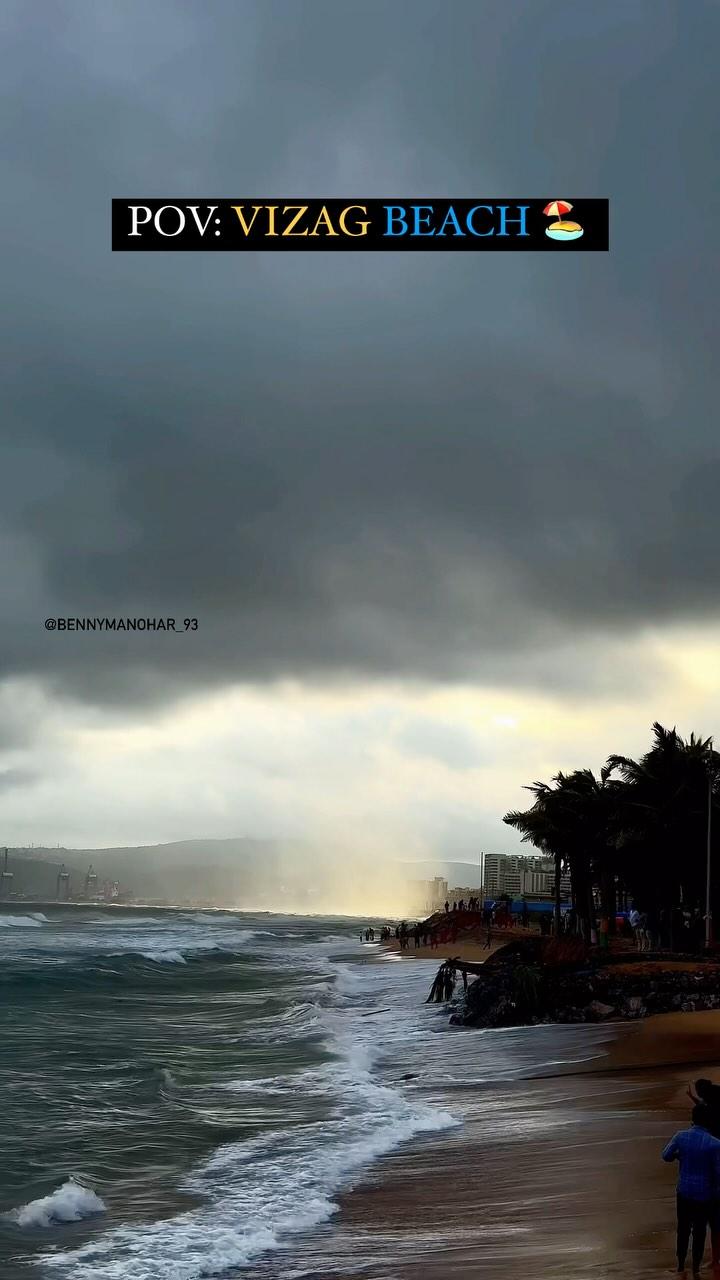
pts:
pixel 698 1185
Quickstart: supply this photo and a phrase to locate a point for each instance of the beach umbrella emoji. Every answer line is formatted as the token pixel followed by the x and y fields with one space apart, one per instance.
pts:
pixel 561 229
pixel 557 208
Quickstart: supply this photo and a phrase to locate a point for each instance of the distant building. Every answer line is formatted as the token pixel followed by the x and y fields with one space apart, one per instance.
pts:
pixel 461 894
pixel 428 895
pixel 520 877
pixel 503 874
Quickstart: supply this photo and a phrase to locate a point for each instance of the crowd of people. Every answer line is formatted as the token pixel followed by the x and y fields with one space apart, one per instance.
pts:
pixel 445 927
pixel 382 935
pixel 472 904
pixel 697 1150
pixel 679 930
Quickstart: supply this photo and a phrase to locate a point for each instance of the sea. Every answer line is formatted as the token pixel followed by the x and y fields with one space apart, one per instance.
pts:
pixel 186 1092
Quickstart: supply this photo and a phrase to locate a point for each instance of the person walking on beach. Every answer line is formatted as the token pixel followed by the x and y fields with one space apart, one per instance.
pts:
pixel 698 1185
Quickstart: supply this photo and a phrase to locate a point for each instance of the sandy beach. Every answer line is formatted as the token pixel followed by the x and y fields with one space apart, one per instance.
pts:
pixel 471 949
pixel 556 1175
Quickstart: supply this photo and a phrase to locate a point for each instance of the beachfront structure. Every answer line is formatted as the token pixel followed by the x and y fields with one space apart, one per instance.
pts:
pixel 522 877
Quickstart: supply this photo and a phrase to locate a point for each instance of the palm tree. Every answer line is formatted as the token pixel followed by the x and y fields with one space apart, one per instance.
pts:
pixel 540 826
pixel 646 828
pixel 662 819
pixel 572 818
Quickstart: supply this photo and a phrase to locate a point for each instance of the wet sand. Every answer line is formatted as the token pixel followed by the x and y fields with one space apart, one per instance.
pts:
pixel 557 1176
pixel 471 949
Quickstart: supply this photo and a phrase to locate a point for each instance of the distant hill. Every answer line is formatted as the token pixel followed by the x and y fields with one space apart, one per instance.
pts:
pixel 235 870
pixel 242 871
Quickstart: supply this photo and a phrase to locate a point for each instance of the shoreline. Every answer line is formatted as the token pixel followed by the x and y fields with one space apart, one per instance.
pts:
pixel 600 1175
pixel 552 1174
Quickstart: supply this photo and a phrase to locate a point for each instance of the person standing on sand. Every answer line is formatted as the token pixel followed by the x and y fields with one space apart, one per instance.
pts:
pixel 698 1185
pixel 705 1094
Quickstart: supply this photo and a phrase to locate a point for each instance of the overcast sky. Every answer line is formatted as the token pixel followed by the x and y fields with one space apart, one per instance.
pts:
pixel 448 523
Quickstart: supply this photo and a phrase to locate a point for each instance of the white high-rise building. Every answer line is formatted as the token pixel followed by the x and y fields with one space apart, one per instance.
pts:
pixel 522 876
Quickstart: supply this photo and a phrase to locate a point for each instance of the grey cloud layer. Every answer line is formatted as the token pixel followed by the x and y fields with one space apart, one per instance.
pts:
pixel 416 467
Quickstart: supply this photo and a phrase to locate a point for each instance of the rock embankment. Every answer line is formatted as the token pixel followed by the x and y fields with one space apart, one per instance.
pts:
pixel 514 990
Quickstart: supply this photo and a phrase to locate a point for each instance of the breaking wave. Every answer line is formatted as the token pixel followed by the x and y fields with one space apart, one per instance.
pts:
pixel 70 1203
pixel 245 1059
pixel 260 1191
pixel 34 921
pixel 164 957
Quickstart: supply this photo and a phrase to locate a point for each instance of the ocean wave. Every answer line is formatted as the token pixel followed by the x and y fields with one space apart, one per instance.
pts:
pixel 70 1203
pixel 164 957
pixel 113 918
pixel 258 1192
pixel 281 1183
pixel 34 921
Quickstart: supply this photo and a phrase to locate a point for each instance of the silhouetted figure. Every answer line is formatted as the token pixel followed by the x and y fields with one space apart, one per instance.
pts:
pixel 447 906
pixel 706 1095
pixel 699 1156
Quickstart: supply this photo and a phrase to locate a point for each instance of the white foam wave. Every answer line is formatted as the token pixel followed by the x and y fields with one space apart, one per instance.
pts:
pixel 258 1192
pixel 280 1183
pixel 70 1203
pixel 124 921
pixel 254 1194
pixel 34 921
pixel 164 957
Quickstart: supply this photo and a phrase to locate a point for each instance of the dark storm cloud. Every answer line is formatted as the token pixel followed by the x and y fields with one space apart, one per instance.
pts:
pixel 415 467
